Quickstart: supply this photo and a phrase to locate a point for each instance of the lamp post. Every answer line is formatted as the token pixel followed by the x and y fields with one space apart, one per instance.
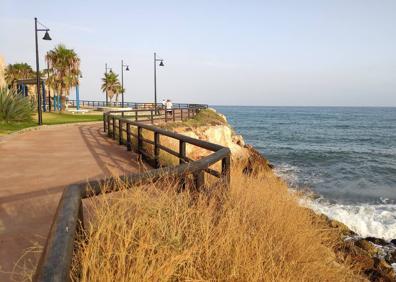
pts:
pixel 46 37
pixel 161 64
pixel 78 93
pixel 49 89
pixel 122 82
pixel 107 96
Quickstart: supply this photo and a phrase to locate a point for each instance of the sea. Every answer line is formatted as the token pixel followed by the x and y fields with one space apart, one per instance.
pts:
pixel 344 155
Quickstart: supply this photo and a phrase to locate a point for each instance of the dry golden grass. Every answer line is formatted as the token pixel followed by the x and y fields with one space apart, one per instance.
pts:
pixel 255 231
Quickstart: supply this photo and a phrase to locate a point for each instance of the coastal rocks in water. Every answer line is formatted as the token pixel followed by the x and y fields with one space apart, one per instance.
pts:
pixel 255 161
pixel 371 259
pixel 381 271
pixel 391 257
pixel 342 231
pixel 367 246
pixel 377 241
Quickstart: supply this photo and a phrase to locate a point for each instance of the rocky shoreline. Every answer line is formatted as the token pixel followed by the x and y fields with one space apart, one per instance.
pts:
pixel 374 258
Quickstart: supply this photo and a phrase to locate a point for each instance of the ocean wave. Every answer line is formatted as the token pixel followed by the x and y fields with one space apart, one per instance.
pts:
pixel 295 178
pixel 364 219
pixel 288 173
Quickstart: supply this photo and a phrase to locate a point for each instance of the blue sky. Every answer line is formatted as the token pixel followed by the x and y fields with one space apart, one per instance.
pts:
pixel 285 53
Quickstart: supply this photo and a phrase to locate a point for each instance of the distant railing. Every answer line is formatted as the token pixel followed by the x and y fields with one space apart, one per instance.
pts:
pixel 152 115
pixel 133 105
pixel 68 221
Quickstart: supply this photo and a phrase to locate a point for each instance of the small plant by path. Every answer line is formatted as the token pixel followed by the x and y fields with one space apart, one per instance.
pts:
pixel 14 107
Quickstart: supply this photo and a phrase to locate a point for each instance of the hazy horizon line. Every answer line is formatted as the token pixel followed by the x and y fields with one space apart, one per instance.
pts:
pixel 301 106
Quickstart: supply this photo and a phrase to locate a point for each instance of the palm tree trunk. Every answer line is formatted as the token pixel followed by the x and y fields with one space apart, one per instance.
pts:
pixel 68 95
pixel 63 99
pixel 55 101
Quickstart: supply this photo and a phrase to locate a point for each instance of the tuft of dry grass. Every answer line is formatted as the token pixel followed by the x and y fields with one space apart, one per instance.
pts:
pixel 254 231
pixel 204 117
pixel 26 265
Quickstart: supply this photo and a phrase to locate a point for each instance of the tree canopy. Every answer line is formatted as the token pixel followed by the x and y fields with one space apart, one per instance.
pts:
pixel 111 84
pixel 18 71
pixel 64 69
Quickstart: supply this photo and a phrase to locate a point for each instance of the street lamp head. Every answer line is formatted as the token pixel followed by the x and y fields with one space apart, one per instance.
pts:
pixel 161 64
pixel 47 36
pixel 127 68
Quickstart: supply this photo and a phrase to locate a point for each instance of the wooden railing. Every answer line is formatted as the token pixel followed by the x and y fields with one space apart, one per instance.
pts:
pixel 151 115
pixel 68 221
pixel 133 105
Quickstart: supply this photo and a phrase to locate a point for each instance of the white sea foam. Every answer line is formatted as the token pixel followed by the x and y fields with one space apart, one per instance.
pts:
pixel 375 220
pixel 364 219
pixel 288 173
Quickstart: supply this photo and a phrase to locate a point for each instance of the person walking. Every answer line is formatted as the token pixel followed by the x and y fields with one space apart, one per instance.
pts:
pixel 169 106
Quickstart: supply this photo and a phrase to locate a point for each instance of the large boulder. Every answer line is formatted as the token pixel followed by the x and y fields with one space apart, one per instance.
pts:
pixel 218 134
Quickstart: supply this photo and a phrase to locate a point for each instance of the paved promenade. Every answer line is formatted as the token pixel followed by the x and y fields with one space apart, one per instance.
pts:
pixel 35 166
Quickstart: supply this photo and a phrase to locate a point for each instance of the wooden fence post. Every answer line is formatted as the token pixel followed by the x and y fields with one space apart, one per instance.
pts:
pixel 104 122
pixel 182 152
pixel 156 149
pixel 173 115
pixel 108 125
pixel 199 180
pixel 136 115
pixel 120 131
pixel 226 170
pixel 139 139
pixel 182 155
pixel 114 126
pixel 151 117
pixel 181 114
pixel 129 147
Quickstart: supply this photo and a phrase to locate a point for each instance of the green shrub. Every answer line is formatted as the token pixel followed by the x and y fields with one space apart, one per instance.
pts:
pixel 14 106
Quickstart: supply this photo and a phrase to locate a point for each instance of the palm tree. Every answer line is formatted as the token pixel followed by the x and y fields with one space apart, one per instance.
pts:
pixel 112 85
pixel 65 66
pixel 18 71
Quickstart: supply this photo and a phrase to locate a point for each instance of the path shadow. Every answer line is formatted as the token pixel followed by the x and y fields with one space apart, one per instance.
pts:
pixel 110 157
